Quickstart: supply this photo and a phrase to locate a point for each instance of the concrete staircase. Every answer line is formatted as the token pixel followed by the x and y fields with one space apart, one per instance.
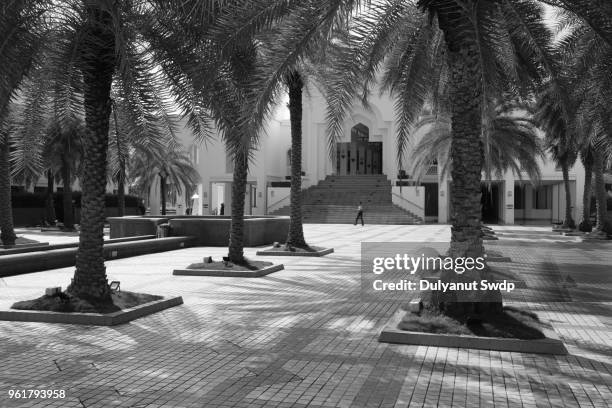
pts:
pixel 335 200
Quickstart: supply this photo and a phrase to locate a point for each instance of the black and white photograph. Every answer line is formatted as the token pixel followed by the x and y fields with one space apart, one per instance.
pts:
pixel 305 203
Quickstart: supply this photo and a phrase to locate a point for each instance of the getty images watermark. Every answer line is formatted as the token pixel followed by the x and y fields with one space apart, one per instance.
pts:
pixel 390 269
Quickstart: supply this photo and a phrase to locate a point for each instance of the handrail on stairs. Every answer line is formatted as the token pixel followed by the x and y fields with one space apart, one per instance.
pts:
pixel 409 202
pixel 268 208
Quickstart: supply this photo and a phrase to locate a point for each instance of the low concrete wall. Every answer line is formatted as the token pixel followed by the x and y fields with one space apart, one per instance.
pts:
pixel 121 227
pixel 209 230
pixel 60 258
pixel 214 231
pixel 47 247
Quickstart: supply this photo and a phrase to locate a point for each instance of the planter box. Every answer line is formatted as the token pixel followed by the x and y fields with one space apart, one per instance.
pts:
pixel 96 319
pixel 275 252
pixel 207 230
pixel 60 258
pixel 549 345
pixel 228 273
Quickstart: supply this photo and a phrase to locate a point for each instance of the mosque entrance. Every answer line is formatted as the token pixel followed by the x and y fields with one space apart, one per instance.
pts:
pixel 360 156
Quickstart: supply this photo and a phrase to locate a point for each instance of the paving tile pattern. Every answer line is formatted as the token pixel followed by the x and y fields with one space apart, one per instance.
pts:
pixel 303 337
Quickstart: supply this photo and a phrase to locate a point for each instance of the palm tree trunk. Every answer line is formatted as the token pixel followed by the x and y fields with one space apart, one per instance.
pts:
pixel 467 158
pixel 162 191
pixel 121 190
pixel 296 231
pixel 98 63
pixel 585 223
pixel 67 196
pixel 569 221
pixel 49 203
pixel 236 241
pixel 121 175
pixel 601 198
pixel 7 232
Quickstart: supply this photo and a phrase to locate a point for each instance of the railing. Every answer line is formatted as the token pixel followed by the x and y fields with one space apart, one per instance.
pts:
pixel 408 205
pixel 278 204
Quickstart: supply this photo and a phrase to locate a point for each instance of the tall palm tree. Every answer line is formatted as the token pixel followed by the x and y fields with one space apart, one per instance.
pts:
pixel 145 165
pixel 22 31
pixel 482 48
pixel 583 110
pixel 295 237
pixel 64 147
pixel 97 42
pixel 586 157
pixel 7 232
pixel 554 117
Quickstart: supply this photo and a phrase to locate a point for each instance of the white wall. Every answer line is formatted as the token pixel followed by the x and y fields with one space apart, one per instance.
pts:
pixel 278 197
pixel 410 198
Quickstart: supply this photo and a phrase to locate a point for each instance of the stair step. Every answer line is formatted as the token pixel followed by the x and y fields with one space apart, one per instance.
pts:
pixel 335 200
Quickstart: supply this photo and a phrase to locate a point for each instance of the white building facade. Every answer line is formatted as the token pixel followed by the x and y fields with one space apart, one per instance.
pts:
pixel 368 146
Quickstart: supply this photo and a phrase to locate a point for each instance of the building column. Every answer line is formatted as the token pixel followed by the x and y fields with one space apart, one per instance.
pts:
pixel 154 198
pixel 443 203
pixel 578 207
pixel 508 198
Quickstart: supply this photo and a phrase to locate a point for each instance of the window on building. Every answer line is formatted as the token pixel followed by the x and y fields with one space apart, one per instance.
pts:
pixel 433 168
pixel 519 197
pixel 542 198
pixel 253 196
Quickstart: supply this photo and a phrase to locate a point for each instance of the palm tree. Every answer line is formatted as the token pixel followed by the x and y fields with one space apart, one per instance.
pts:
pixel 90 45
pixel 7 232
pixel 483 49
pixel 145 165
pixel 64 148
pixel 295 84
pixel 96 42
pixel 22 31
pixel 554 117
pixel 583 110
pixel 586 157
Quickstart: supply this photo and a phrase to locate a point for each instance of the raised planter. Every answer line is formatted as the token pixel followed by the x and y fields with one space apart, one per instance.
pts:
pixel 207 230
pixel 27 248
pixel 550 345
pixel 277 252
pixel 39 246
pixel 121 227
pixel 229 273
pixel 96 319
pixel 215 230
pixel 60 258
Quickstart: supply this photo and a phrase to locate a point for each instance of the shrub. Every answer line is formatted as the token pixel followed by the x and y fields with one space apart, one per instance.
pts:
pixel 37 200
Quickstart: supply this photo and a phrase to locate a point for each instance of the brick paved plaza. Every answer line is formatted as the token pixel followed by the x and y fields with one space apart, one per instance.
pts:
pixel 303 337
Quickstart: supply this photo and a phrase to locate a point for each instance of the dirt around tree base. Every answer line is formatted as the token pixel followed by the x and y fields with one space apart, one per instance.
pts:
pixel 68 303
pixel 509 323
pixel 249 266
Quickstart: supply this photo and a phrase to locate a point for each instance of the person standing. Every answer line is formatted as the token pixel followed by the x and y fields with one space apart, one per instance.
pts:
pixel 222 209
pixel 359 214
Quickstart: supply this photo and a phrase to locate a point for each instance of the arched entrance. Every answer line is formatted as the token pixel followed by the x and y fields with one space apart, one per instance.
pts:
pixel 360 156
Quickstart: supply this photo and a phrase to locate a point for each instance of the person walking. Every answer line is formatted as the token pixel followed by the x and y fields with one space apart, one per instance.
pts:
pixel 359 214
